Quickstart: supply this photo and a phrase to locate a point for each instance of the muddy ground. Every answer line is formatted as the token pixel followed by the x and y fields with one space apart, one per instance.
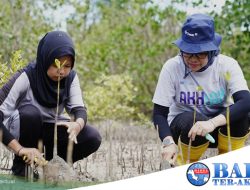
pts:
pixel 126 151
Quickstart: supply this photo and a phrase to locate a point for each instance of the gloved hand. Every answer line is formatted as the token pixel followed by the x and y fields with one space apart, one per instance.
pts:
pixel 201 128
pixel 74 129
pixel 170 153
pixel 30 155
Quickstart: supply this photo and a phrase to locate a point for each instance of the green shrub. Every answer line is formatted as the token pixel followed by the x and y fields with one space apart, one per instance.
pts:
pixel 111 98
pixel 8 69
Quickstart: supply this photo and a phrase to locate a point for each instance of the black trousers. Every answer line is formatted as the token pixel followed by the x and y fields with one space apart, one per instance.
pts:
pixel 32 129
pixel 183 122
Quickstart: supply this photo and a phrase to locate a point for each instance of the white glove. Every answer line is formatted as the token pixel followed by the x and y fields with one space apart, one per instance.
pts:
pixel 74 129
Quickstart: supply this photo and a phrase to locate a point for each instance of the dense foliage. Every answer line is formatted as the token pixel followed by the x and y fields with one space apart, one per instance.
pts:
pixel 9 68
pixel 121 45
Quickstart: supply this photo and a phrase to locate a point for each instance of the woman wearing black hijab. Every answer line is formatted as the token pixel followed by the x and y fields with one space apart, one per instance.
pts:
pixel 28 103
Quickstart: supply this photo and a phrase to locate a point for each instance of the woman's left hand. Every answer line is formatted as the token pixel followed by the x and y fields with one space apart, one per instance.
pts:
pixel 201 128
pixel 74 129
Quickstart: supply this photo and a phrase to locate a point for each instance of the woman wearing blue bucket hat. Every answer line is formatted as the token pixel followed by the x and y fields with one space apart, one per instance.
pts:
pixel 193 93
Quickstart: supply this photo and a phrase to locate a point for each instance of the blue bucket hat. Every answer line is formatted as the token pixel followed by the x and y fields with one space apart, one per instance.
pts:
pixel 198 35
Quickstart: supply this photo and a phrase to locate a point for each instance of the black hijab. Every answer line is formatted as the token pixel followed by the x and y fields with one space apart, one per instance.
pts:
pixel 52 46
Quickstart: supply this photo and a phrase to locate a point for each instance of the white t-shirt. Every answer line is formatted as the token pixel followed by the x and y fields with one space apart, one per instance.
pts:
pixel 208 88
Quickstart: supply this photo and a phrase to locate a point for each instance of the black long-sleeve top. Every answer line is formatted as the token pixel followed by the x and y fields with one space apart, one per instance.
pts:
pixel 241 107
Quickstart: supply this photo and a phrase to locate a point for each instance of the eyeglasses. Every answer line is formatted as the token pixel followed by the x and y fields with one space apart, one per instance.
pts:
pixel 201 55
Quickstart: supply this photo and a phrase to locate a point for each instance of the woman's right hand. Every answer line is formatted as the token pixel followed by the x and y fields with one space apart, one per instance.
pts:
pixel 32 154
pixel 170 153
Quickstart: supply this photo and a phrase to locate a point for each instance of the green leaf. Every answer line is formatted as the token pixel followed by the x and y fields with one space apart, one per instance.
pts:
pixel 58 63
pixel 227 76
